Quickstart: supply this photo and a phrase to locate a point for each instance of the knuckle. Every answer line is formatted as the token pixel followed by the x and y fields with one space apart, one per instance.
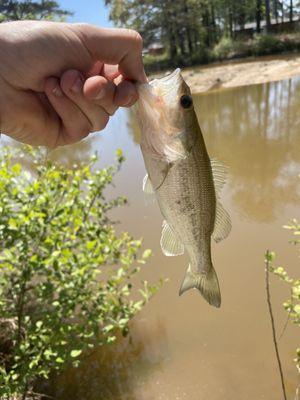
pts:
pixel 101 124
pixel 81 26
pixel 85 132
pixel 135 38
pixel 113 111
pixel 79 133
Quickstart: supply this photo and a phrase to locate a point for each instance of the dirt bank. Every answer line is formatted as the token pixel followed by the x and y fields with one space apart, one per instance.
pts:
pixel 242 72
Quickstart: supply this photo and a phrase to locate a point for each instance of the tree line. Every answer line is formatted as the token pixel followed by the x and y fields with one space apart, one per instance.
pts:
pixel 184 26
pixel 13 10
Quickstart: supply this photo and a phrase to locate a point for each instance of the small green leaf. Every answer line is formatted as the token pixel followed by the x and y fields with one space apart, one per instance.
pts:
pixel 147 253
pixel 39 324
pixel 75 353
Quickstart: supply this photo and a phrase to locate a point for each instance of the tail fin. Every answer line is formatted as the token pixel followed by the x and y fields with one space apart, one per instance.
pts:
pixel 207 284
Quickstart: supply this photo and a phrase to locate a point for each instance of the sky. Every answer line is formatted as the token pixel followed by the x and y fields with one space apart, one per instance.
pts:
pixel 89 11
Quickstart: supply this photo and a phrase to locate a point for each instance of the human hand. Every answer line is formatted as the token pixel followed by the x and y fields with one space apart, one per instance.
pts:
pixel 59 82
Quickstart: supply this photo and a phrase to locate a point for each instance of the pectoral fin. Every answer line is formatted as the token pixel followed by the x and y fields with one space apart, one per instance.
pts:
pixel 147 185
pixel 170 245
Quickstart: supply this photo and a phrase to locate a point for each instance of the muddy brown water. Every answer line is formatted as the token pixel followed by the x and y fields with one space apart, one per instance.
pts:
pixel 180 347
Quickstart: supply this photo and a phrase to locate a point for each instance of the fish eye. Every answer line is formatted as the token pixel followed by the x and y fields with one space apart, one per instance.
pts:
pixel 186 101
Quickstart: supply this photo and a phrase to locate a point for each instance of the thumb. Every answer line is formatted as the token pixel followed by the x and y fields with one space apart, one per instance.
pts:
pixel 122 47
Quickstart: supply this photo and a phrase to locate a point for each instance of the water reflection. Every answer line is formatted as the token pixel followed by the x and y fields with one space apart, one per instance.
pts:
pixel 116 372
pixel 177 351
pixel 74 154
pixel 255 130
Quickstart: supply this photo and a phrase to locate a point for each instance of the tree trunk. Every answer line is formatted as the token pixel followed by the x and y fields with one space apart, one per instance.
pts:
pixel 205 22
pixel 230 19
pixel 258 15
pixel 276 10
pixel 213 23
pixel 291 10
pixel 268 17
pixel 172 45
pixel 181 43
pixel 282 12
pixel 188 28
pixel 171 38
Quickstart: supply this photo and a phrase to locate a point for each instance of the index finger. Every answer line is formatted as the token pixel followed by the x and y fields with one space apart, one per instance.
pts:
pixel 115 46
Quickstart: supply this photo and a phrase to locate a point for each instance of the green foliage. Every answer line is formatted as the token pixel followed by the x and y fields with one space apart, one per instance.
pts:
pixel 227 49
pixel 200 31
pixel 65 274
pixel 292 306
pixel 224 49
pixel 162 62
pixel 15 10
pixel 267 44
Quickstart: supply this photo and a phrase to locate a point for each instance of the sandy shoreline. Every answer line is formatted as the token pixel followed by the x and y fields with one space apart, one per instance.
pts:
pixel 242 72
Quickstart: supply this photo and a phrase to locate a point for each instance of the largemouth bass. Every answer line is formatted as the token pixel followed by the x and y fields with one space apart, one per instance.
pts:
pixel 184 179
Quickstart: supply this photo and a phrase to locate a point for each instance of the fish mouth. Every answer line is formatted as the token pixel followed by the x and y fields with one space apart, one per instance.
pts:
pixel 175 75
pixel 168 87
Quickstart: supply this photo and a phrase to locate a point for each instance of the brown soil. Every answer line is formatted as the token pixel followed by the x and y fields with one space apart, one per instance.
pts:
pixel 242 72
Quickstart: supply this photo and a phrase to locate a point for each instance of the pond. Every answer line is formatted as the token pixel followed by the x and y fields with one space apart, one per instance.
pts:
pixel 180 347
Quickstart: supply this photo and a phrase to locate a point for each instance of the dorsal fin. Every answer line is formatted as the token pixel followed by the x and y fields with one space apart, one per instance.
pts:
pixel 219 172
pixel 222 223
pixel 222 220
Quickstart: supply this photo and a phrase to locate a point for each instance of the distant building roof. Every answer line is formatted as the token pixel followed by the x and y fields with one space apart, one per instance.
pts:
pixel 252 25
pixel 156 46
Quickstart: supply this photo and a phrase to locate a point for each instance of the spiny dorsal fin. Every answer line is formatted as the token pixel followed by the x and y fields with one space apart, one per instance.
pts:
pixel 170 245
pixel 222 223
pixel 147 185
pixel 219 172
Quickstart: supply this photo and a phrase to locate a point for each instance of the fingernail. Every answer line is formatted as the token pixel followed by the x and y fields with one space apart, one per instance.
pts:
pixel 77 85
pixel 57 91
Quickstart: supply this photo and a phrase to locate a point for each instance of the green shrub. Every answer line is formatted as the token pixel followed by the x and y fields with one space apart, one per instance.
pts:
pixel 267 44
pixel 159 63
pixel 65 274
pixel 224 49
pixel 201 56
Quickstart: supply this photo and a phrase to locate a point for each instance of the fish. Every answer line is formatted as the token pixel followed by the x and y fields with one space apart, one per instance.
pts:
pixel 185 181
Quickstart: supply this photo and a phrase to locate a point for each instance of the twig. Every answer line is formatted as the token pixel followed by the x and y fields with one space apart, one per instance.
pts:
pixel 297 393
pixel 39 395
pixel 287 320
pixel 267 266
pixel 25 392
